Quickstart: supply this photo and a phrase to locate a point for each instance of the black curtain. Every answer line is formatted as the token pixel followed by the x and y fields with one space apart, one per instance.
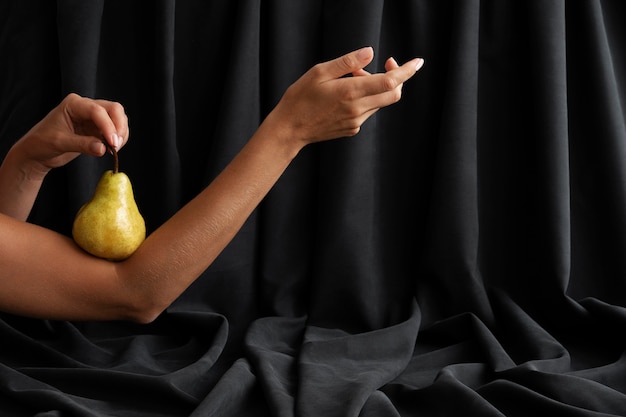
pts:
pixel 463 255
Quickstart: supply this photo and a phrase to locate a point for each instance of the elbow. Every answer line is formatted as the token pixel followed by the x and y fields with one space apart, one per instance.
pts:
pixel 142 309
pixel 145 316
pixel 144 312
pixel 139 300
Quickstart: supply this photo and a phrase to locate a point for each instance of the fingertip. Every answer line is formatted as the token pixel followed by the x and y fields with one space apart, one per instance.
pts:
pixel 97 148
pixel 365 54
pixel 119 141
pixel 115 141
pixel 391 63
pixel 419 63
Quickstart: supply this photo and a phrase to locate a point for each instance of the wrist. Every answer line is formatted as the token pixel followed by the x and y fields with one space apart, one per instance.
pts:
pixel 285 138
pixel 19 185
pixel 22 168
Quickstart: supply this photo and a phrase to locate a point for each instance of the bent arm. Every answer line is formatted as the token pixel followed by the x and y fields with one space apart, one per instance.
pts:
pixel 45 274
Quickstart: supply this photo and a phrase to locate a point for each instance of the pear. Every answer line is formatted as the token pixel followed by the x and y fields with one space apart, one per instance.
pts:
pixel 109 225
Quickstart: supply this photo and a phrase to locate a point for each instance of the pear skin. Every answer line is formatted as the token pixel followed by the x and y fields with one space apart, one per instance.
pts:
pixel 109 225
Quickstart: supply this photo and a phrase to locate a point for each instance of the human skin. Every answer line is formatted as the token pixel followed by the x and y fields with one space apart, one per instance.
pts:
pixel 67 283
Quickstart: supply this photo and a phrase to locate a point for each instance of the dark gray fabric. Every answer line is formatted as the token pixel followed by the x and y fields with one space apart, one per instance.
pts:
pixel 463 255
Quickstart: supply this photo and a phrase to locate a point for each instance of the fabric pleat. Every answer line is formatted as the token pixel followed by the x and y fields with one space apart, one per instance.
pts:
pixel 462 255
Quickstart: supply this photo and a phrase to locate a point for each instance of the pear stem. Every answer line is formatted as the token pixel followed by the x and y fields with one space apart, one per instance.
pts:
pixel 116 162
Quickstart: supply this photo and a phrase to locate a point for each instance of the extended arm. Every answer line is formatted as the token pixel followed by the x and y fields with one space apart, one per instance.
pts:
pixel 67 283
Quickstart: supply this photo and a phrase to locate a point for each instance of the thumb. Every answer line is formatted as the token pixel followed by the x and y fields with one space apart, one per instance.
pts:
pixel 349 63
pixel 88 145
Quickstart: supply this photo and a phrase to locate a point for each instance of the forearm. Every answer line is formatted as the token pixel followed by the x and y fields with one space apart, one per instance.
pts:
pixel 181 249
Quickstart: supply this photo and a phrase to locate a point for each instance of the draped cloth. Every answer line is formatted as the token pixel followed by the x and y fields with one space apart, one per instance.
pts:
pixel 464 254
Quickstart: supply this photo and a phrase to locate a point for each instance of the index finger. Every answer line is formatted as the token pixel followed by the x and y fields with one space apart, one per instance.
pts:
pixel 119 118
pixel 108 117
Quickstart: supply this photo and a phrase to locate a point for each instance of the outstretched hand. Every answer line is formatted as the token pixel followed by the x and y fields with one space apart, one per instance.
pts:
pixel 324 104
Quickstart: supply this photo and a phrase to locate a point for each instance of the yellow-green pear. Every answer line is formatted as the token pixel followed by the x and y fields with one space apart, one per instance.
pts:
pixel 109 225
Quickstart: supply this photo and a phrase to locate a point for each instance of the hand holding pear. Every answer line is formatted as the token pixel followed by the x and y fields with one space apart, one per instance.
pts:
pixel 110 225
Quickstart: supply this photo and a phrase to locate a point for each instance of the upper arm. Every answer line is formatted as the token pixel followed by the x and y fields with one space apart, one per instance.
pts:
pixel 44 274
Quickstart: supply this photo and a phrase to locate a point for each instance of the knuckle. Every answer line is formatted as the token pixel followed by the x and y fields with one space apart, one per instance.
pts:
pixel 352 131
pixel 347 62
pixel 96 110
pixel 72 97
pixel 348 95
pixel 396 95
pixel 354 112
pixel 57 139
pixel 351 112
pixel 316 70
pixel 389 83
pixel 117 108
pixel 352 125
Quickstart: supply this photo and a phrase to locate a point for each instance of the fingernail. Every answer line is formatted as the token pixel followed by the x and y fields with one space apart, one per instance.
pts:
pixel 117 141
pixel 419 64
pixel 112 142
pixel 365 53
